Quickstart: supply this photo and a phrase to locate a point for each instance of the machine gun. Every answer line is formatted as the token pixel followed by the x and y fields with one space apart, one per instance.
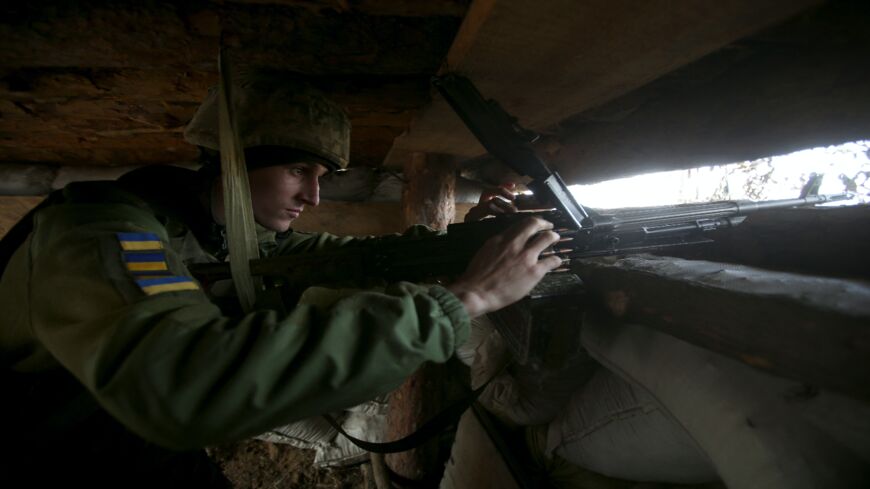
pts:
pixel 586 233
pixel 595 233
pixel 430 256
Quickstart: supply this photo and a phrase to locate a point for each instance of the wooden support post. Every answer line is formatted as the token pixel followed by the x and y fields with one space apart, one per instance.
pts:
pixel 813 329
pixel 428 198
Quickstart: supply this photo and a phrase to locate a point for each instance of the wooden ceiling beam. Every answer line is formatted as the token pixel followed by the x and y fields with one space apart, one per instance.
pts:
pixel 186 35
pixel 98 84
pixel 92 116
pixel 76 34
pixel 297 40
pixel 797 86
pixel 547 62
pixel 398 8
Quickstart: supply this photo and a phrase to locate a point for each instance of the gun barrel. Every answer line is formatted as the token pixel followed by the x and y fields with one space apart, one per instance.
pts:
pixel 746 207
pixel 707 210
pixel 634 230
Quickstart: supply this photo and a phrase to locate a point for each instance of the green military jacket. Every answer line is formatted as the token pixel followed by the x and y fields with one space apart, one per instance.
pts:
pixel 101 288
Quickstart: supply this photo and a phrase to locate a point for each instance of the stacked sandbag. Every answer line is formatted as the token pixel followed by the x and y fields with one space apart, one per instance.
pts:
pixel 521 395
pixel 660 410
pixel 368 421
pixel 617 429
pixel 757 430
pixel 589 425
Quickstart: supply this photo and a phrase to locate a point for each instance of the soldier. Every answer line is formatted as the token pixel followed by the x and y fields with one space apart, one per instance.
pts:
pixel 114 351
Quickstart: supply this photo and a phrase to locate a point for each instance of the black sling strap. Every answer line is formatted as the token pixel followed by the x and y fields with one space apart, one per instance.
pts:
pixel 448 417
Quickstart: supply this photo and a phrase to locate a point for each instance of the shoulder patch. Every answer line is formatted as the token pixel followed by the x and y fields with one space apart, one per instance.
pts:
pixel 143 253
pixel 139 241
pixel 157 285
pixel 147 265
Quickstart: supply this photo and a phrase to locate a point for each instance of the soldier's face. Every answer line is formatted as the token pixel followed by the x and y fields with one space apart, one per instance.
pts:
pixel 280 193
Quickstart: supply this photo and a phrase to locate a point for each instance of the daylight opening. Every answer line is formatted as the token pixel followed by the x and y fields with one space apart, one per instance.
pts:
pixel 845 167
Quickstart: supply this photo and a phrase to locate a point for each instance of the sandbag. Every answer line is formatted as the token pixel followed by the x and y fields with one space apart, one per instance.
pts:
pixel 614 428
pixel 758 430
pixel 367 421
pixel 478 336
pixel 475 462
pixel 308 433
pixel 365 426
pixel 523 395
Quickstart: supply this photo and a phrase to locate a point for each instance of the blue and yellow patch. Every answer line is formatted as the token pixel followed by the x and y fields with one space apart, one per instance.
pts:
pixel 146 263
pixel 143 253
pixel 139 241
pixel 152 286
pixel 144 257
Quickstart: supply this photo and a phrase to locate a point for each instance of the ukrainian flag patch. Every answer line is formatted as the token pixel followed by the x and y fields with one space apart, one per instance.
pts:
pixel 146 263
pixel 153 286
pixel 139 241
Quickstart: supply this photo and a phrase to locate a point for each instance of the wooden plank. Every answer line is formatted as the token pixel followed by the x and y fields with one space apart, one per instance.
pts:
pixel 427 199
pixel 826 241
pixel 117 116
pixel 477 15
pixel 12 209
pixel 185 35
pixel 813 329
pixel 115 85
pixel 428 196
pixel 547 61
pixel 294 39
pixel 800 85
pixel 399 8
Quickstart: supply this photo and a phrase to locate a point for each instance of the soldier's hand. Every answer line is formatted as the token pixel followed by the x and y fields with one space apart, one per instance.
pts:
pixel 506 268
pixel 493 202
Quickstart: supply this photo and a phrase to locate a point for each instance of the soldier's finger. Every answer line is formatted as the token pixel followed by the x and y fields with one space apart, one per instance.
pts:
pixel 542 241
pixel 525 229
pixel 504 206
pixel 506 193
pixel 486 196
pixel 550 263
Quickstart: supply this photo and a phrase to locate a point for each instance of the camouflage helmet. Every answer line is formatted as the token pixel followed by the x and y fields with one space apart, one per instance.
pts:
pixel 277 112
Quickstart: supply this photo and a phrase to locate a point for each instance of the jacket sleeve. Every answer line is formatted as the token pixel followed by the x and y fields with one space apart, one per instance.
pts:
pixel 176 371
pixel 301 242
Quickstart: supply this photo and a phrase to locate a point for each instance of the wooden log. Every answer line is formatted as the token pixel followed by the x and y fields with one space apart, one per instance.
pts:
pixel 793 87
pixel 545 75
pixel 398 8
pixel 428 196
pixel 829 241
pixel 427 199
pixel 813 329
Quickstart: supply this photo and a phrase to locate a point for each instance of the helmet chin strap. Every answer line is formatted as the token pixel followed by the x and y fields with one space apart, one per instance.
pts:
pixel 238 212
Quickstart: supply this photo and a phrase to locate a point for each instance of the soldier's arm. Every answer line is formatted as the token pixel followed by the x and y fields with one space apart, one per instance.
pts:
pixel 160 357
pixel 302 242
pixel 489 205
